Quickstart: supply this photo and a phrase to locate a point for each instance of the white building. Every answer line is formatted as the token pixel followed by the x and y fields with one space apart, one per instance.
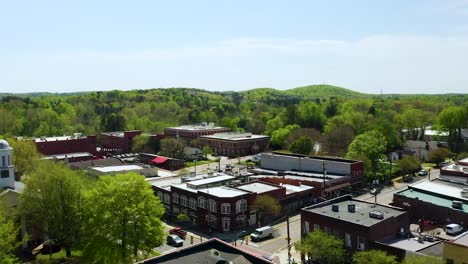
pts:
pixel 7 176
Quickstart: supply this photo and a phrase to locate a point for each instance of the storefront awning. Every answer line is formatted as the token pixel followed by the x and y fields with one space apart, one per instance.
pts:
pixel 159 160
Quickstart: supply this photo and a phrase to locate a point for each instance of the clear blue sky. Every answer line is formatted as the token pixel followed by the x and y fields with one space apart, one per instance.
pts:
pixel 397 46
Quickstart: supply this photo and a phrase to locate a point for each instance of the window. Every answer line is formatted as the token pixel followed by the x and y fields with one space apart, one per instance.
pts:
pixel 226 223
pixel 361 243
pixel 225 208
pixel 241 206
pixel 240 220
pixel 184 211
pixel 5 174
pixel 183 200
pixel 306 227
pixel 348 242
pixel 201 202
pixel 3 161
pixel 175 210
pixel 161 196
pixel 212 220
pixel 167 198
pixel 175 198
pixel 337 234
pixel 212 205
pixel 193 203
pixel 316 227
pixel 9 161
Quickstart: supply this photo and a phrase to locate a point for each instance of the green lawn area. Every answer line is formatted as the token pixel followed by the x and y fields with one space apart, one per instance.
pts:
pixel 428 165
pixel 59 257
pixel 200 162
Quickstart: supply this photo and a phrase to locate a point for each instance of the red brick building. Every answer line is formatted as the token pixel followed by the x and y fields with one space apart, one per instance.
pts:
pixel 187 133
pixel 357 223
pixel 66 144
pixel 234 144
pixel 118 142
pixel 218 201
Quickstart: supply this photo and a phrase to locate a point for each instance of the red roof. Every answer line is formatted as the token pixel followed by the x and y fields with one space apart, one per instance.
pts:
pixel 159 160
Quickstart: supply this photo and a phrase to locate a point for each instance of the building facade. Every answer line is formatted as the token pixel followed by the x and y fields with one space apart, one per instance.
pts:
pixel 7 176
pixel 358 223
pixel 187 133
pixel 456 250
pixel 118 142
pixel 66 144
pixel 234 144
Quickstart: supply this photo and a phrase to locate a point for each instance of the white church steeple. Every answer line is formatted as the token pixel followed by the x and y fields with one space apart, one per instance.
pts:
pixel 7 176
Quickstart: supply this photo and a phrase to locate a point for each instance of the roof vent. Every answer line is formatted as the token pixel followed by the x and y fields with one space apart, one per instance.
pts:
pixel 457 204
pixel 464 193
pixel 376 214
pixel 335 208
pixel 351 208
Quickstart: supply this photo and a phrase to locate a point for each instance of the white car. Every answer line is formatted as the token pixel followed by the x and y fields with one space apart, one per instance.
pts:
pixel 422 173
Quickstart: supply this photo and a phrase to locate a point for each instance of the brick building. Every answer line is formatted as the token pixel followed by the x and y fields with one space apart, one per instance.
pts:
pixel 218 200
pixel 438 201
pixel 235 144
pixel 66 144
pixel 187 133
pixel 118 142
pixel 358 223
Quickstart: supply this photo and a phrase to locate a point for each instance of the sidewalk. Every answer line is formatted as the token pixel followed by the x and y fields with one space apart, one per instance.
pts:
pixel 282 255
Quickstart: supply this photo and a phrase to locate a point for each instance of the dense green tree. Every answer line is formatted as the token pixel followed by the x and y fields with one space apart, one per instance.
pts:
pixel 280 135
pixel 453 119
pixel 173 148
pixel 409 164
pixel 125 228
pixel 52 199
pixel 370 147
pixel 373 257
pixel 266 206
pixel 321 246
pixel 207 150
pixel 8 234
pixel 338 140
pixel 303 145
pixel 24 158
pixel 438 155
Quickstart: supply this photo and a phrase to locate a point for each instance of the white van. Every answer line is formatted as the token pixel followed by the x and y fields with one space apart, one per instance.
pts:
pixel 453 229
pixel 262 232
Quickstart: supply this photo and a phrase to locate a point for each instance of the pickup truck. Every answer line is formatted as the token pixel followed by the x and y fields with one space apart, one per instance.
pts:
pixel 178 231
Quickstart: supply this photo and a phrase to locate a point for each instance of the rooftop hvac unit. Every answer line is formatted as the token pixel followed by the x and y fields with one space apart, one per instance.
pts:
pixel 457 204
pixel 351 208
pixel 376 214
pixel 335 208
pixel 464 193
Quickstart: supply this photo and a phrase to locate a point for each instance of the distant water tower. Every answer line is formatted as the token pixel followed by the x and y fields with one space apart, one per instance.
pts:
pixel 7 176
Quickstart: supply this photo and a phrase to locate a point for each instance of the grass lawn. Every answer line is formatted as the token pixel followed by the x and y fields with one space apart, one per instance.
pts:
pixel 60 257
pixel 428 165
pixel 200 162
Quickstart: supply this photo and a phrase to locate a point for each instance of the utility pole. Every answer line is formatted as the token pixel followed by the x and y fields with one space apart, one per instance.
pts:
pixel 324 176
pixel 289 239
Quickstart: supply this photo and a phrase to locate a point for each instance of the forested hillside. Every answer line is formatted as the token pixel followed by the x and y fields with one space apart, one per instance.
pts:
pixel 325 113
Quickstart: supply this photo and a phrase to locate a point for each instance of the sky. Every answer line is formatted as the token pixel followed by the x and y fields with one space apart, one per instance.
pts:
pixel 393 46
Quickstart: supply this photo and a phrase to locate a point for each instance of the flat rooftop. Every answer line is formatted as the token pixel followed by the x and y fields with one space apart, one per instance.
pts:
pixel 201 182
pixel 197 127
pixel 440 188
pixel 61 138
pixel 234 136
pixel 118 168
pixel 223 191
pixel 68 155
pixel 461 240
pixel 409 244
pixel 435 199
pixel 294 188
pixel 359 217
pixel 257 187
pixel 114 134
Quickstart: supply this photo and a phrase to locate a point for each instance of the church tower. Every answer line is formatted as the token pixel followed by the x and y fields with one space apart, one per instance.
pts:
pixel 7 177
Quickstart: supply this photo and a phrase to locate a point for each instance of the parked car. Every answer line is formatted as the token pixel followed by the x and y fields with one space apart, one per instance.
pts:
pixel 262 232
pixel 453 229
pixel 443 164
pixel 179 232
pixel 408 178
pixel 174 240
pixel 422 173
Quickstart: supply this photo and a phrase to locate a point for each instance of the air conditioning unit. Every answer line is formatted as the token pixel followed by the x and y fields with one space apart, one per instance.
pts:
pixel 335 208
pixel 464 193
pixel 351 208
pixel 376 215
pixel 457 204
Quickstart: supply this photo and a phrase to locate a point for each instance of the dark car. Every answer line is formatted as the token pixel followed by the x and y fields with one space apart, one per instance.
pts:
pixel 179 232
pixel 408 178
pixel 174 240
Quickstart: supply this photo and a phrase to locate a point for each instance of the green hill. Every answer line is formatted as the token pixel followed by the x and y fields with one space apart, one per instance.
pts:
pixel 324 91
